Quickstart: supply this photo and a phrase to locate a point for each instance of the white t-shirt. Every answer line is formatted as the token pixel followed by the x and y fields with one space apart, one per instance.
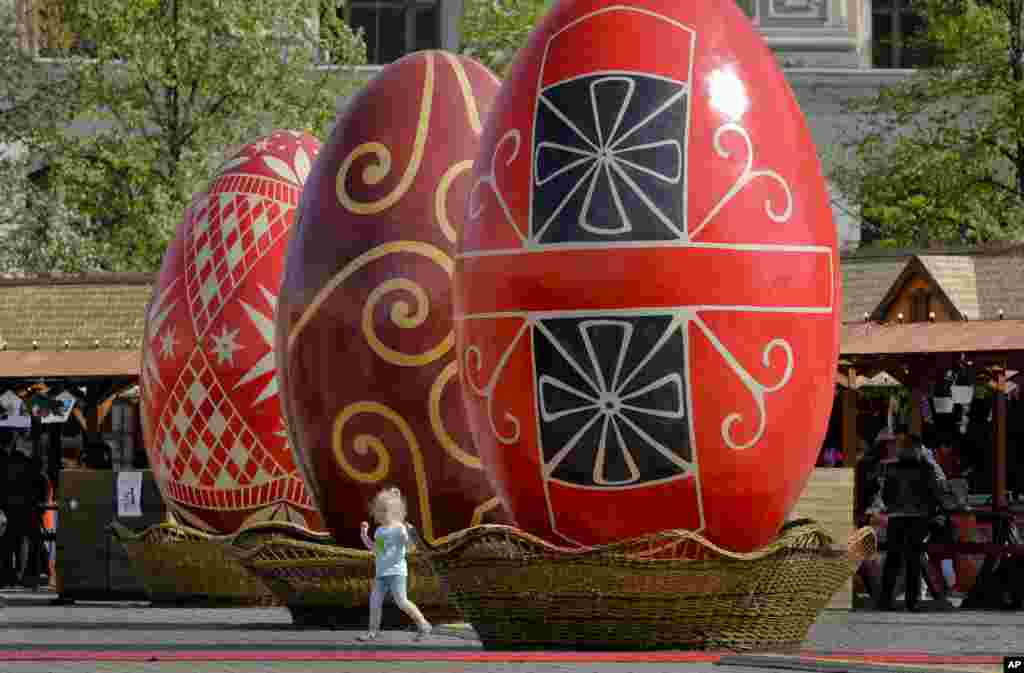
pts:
pixel 390 544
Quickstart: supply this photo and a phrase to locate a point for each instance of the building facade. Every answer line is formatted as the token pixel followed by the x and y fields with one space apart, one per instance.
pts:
pixel 815 34
pixel 831 50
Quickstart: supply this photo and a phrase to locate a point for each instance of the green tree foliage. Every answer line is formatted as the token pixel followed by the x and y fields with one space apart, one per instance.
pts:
pixel 36 230
pixel 493 31
pixel 131 120
pixel 938 159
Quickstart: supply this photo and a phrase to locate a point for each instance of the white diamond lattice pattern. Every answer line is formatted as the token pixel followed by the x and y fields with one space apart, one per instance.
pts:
pixel 204 441
pixel 241 219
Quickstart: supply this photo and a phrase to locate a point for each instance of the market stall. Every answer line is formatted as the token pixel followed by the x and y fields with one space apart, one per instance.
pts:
pixel 981 356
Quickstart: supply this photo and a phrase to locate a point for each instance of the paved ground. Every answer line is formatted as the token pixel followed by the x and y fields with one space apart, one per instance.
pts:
pixel 36 637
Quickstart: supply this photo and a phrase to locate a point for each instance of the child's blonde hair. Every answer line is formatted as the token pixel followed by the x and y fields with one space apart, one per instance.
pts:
pixel 384 497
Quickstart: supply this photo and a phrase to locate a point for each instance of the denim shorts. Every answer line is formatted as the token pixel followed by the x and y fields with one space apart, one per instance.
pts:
pixel 394 585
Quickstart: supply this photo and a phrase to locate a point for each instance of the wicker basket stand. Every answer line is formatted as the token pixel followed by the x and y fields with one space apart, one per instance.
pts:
pixel 324 585
pixel 181 565
pixel 673 589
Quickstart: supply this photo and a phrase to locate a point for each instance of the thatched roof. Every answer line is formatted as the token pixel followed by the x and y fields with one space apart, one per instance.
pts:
pixel 79 309
pixel 103 314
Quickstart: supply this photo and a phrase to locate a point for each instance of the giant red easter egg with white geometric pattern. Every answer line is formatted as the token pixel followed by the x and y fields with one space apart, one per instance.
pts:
pixel 212 414
pixel 647 285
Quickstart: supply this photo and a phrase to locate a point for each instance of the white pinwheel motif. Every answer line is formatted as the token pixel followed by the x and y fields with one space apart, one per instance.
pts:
pixel 626 159
pixel 615 404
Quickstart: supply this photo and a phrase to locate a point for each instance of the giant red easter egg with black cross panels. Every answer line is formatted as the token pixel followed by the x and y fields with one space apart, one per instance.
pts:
pixel 647 290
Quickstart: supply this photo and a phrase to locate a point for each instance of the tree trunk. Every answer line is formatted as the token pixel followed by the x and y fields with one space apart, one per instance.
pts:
pixel 923 237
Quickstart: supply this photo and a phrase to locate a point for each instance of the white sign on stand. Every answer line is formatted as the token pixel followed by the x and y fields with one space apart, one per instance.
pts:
pixel 129 494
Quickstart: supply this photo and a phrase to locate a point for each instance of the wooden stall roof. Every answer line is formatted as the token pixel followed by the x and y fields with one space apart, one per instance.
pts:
pixel 988 336
pixel 865 282
pixel 976 286
pixel 80 309
pixel 70 364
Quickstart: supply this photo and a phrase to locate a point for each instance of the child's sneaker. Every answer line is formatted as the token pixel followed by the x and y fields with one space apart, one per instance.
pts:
pixel 368 636
pixel 423 633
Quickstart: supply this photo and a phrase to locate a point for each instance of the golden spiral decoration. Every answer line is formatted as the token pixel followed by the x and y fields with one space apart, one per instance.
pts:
pixel 364 443
pixel 376 172
pixel 441 198
pixel 404 317
pixel 472 110
pixel 482 509
pixel 451 447
pixel 400 314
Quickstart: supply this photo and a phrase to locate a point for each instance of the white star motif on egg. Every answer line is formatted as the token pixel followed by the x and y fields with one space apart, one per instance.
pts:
pixel 224 346
pixel 267 364
pixel 167 343
pixel 157 317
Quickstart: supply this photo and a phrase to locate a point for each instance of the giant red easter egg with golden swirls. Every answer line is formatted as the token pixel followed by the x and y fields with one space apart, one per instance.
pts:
pixel 365 335
pixel 647 285
pixel 211 410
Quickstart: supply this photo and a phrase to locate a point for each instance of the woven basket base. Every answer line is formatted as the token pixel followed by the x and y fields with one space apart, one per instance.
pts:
pixel 539 629
pixel 327 586
pixel 182 566
pixel 671 590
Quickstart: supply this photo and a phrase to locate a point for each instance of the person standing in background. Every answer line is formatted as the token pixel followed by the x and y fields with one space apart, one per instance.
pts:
pixel 911 494
pixel 904 438
pixel 18 487
pixel 6 563
pixel 39 489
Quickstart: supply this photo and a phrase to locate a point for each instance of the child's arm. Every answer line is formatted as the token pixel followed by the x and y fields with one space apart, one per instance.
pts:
pixel 364 531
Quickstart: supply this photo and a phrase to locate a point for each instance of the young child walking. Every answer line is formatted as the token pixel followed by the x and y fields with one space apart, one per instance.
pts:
pixel 389 545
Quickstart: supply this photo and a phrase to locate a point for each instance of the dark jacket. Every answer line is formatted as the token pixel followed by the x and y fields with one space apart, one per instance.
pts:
pixel 3 477
pixel 911 488
pixel 19 482
pixel 865 478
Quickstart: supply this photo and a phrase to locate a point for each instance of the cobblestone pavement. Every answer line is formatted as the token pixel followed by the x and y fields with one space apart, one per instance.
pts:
pixel 966 641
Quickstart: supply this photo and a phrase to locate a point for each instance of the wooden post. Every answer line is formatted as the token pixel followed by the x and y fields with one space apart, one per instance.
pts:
pixel 849 407
pixel 916 420
pixel 96 394
pixel 92 420
pixel 999 439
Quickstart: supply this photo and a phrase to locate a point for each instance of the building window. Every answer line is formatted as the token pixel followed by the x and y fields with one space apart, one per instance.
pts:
pixel 42 30
pixel 895 34
pixel 394 28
